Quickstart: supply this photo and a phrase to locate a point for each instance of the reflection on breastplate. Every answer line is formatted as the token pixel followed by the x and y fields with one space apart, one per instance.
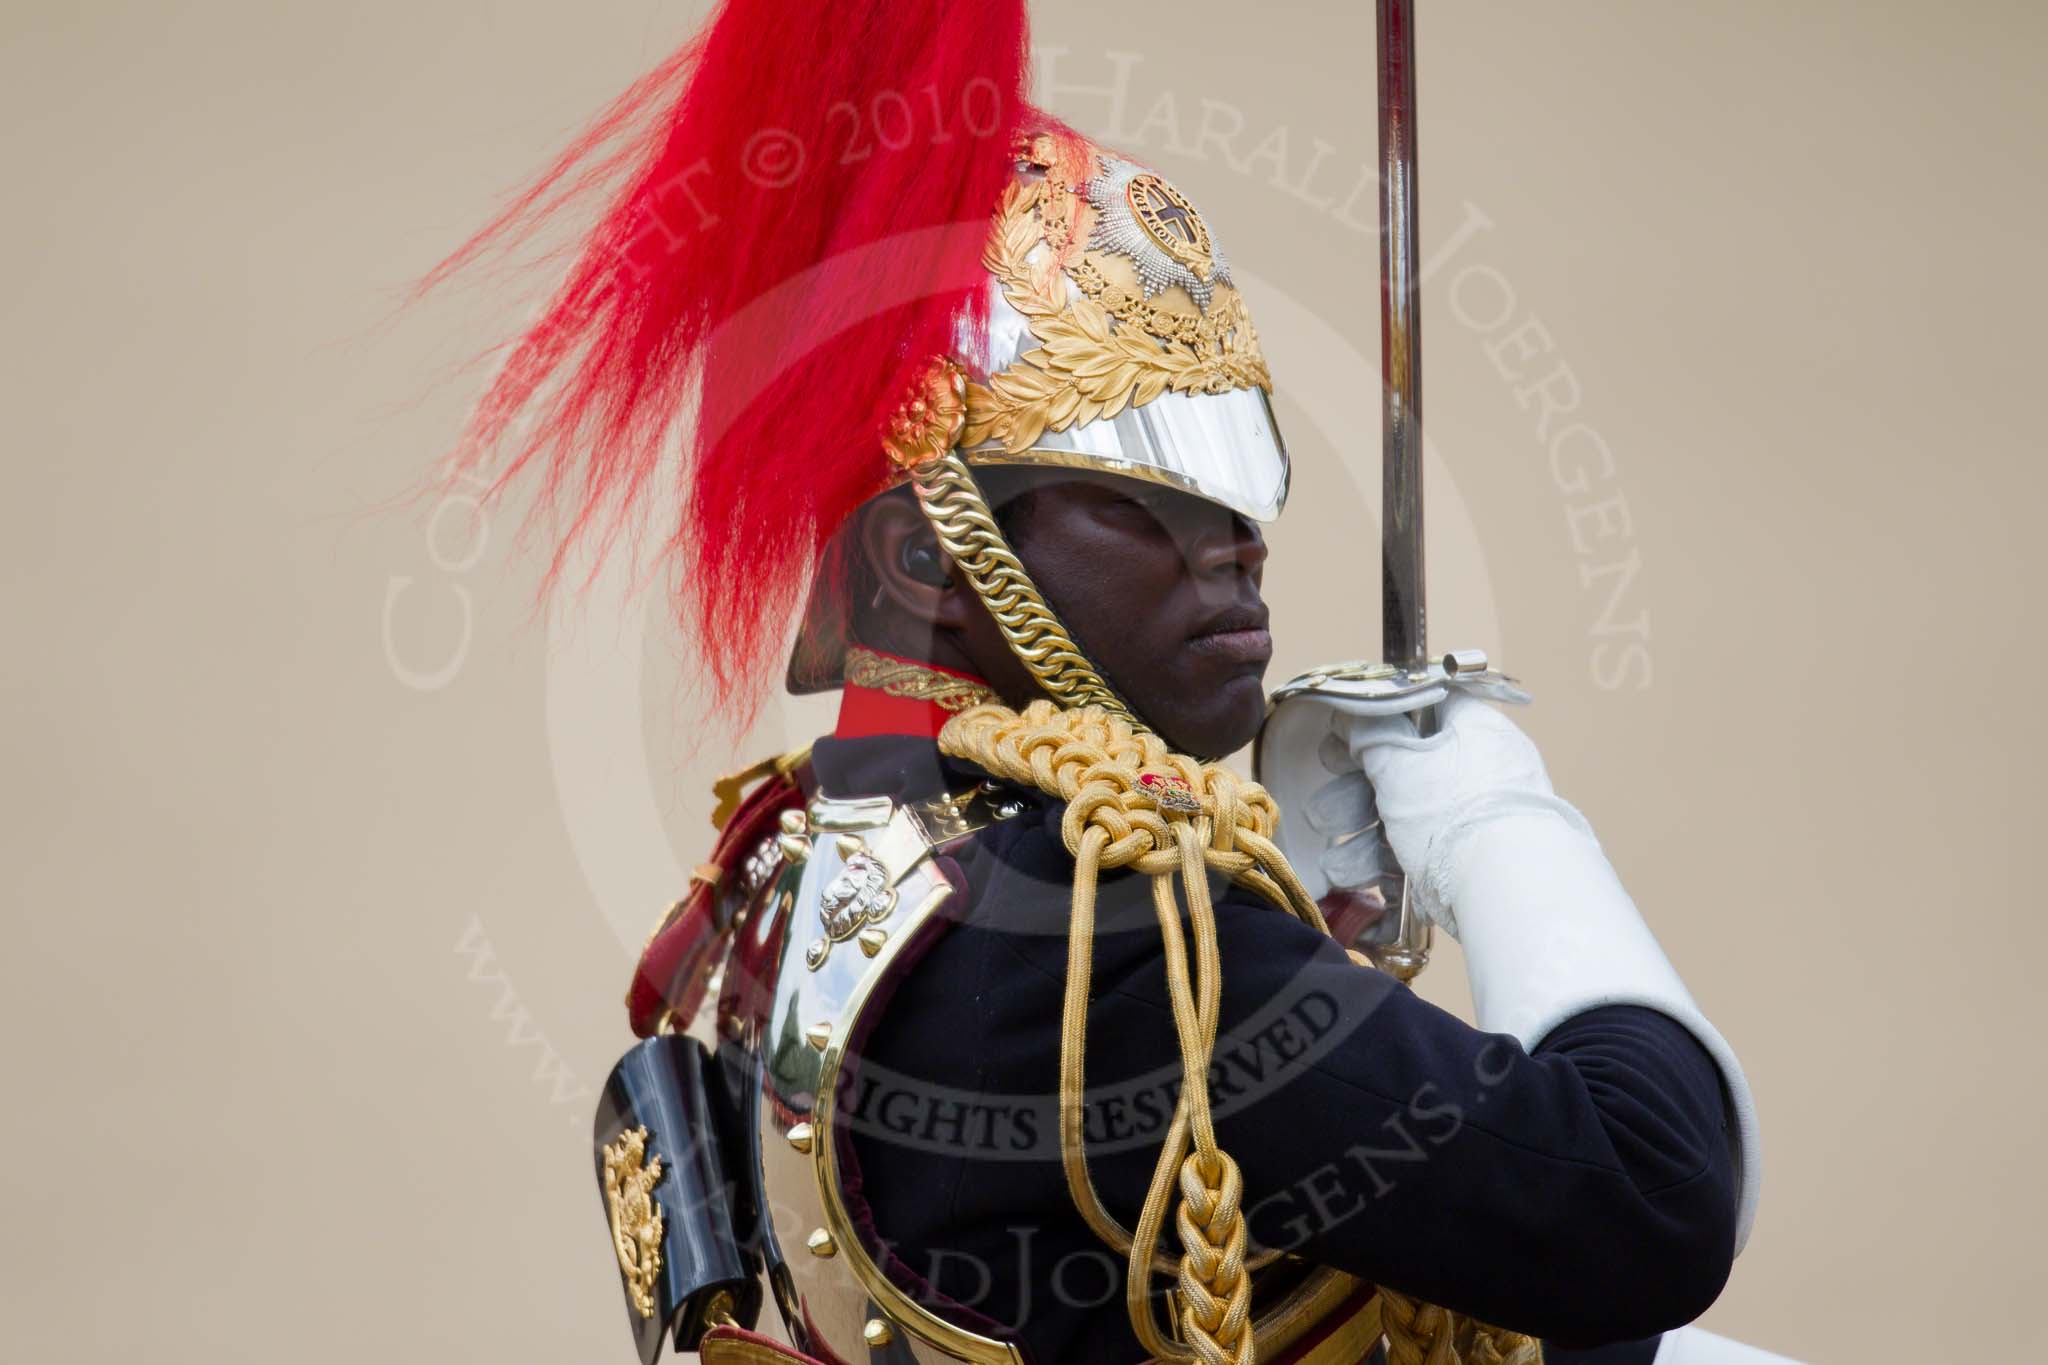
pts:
pixel 858 886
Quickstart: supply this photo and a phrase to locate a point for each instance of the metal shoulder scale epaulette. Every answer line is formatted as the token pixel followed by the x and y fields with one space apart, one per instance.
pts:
pixel 810 903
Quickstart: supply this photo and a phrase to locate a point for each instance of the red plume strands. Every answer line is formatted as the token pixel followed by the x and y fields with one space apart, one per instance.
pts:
pixel 795 209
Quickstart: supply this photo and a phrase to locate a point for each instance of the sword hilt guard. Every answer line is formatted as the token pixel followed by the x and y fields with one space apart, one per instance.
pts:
pixel 1371 688
pixel 1391 689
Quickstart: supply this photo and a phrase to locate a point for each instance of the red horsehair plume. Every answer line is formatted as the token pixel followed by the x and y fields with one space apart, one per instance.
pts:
pixel 799 199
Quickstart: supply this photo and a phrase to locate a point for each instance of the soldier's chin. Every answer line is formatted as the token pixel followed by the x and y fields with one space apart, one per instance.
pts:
pixel 1212 707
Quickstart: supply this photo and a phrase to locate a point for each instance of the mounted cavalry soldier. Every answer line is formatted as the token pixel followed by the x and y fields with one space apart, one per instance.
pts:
pixel 1031 1031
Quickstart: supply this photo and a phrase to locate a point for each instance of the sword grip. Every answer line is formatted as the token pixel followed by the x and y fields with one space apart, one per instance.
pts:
pixel 1414 936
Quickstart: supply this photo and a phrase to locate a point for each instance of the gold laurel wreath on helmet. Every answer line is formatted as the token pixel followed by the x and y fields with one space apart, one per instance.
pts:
pixel 1102 345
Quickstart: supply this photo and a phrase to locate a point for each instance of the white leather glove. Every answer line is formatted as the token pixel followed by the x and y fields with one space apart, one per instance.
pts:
pixel 1429 795
pixel 1329 830
pixel 1495 857
pixel 1693 1346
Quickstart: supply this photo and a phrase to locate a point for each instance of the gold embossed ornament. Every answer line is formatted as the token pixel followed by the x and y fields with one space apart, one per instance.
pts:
pixel 1171 221
pixel 629 1181
pixel 930 421
pixel 1169 792
pixel 1110 296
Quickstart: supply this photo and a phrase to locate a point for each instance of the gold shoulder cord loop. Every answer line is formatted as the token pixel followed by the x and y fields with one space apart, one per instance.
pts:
pixel 1130 802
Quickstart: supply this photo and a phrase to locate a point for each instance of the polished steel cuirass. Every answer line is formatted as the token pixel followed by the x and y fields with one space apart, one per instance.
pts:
pixel 853 892
pixel 856 886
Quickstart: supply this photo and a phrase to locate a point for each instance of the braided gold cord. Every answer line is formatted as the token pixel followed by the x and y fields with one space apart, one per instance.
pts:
pixel 1417 1333
pixel 1423 1334
pixel 1215 1287
pixel 1097 761
pixel 968 532
pixel 1498 1346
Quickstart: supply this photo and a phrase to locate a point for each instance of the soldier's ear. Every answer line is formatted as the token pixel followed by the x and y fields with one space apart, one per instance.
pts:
pixel 912 574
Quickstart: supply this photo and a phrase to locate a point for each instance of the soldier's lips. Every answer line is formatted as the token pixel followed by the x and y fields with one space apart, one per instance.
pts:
pixel 1238 646
pixel 1239 637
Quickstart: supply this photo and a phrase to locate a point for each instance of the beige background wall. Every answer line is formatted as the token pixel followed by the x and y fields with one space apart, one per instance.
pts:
pixel 325 854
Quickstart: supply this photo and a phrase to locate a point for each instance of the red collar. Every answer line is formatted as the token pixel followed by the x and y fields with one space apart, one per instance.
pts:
pixel 887 695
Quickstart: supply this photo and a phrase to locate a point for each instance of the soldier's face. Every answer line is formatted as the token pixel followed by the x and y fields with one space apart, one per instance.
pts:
pixel 1161 589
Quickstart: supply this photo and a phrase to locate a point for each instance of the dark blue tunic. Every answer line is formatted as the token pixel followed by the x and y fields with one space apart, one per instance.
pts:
pixel 1584 1194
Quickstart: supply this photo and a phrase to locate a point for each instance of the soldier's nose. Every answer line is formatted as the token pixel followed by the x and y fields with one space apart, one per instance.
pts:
pixel 1233 547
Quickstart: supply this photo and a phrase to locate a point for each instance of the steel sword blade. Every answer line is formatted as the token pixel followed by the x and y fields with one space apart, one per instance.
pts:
pixel 1404 619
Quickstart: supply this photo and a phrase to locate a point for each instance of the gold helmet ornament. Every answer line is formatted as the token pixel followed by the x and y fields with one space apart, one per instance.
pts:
pixel 1115 340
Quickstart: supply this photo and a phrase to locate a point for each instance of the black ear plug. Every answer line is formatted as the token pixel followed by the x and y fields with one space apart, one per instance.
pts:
pixel 921 560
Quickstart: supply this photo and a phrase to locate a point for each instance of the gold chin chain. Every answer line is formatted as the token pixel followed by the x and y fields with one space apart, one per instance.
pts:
pixel 967 530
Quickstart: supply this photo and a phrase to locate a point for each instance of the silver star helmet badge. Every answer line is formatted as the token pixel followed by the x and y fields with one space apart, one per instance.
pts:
pixel 1142 218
